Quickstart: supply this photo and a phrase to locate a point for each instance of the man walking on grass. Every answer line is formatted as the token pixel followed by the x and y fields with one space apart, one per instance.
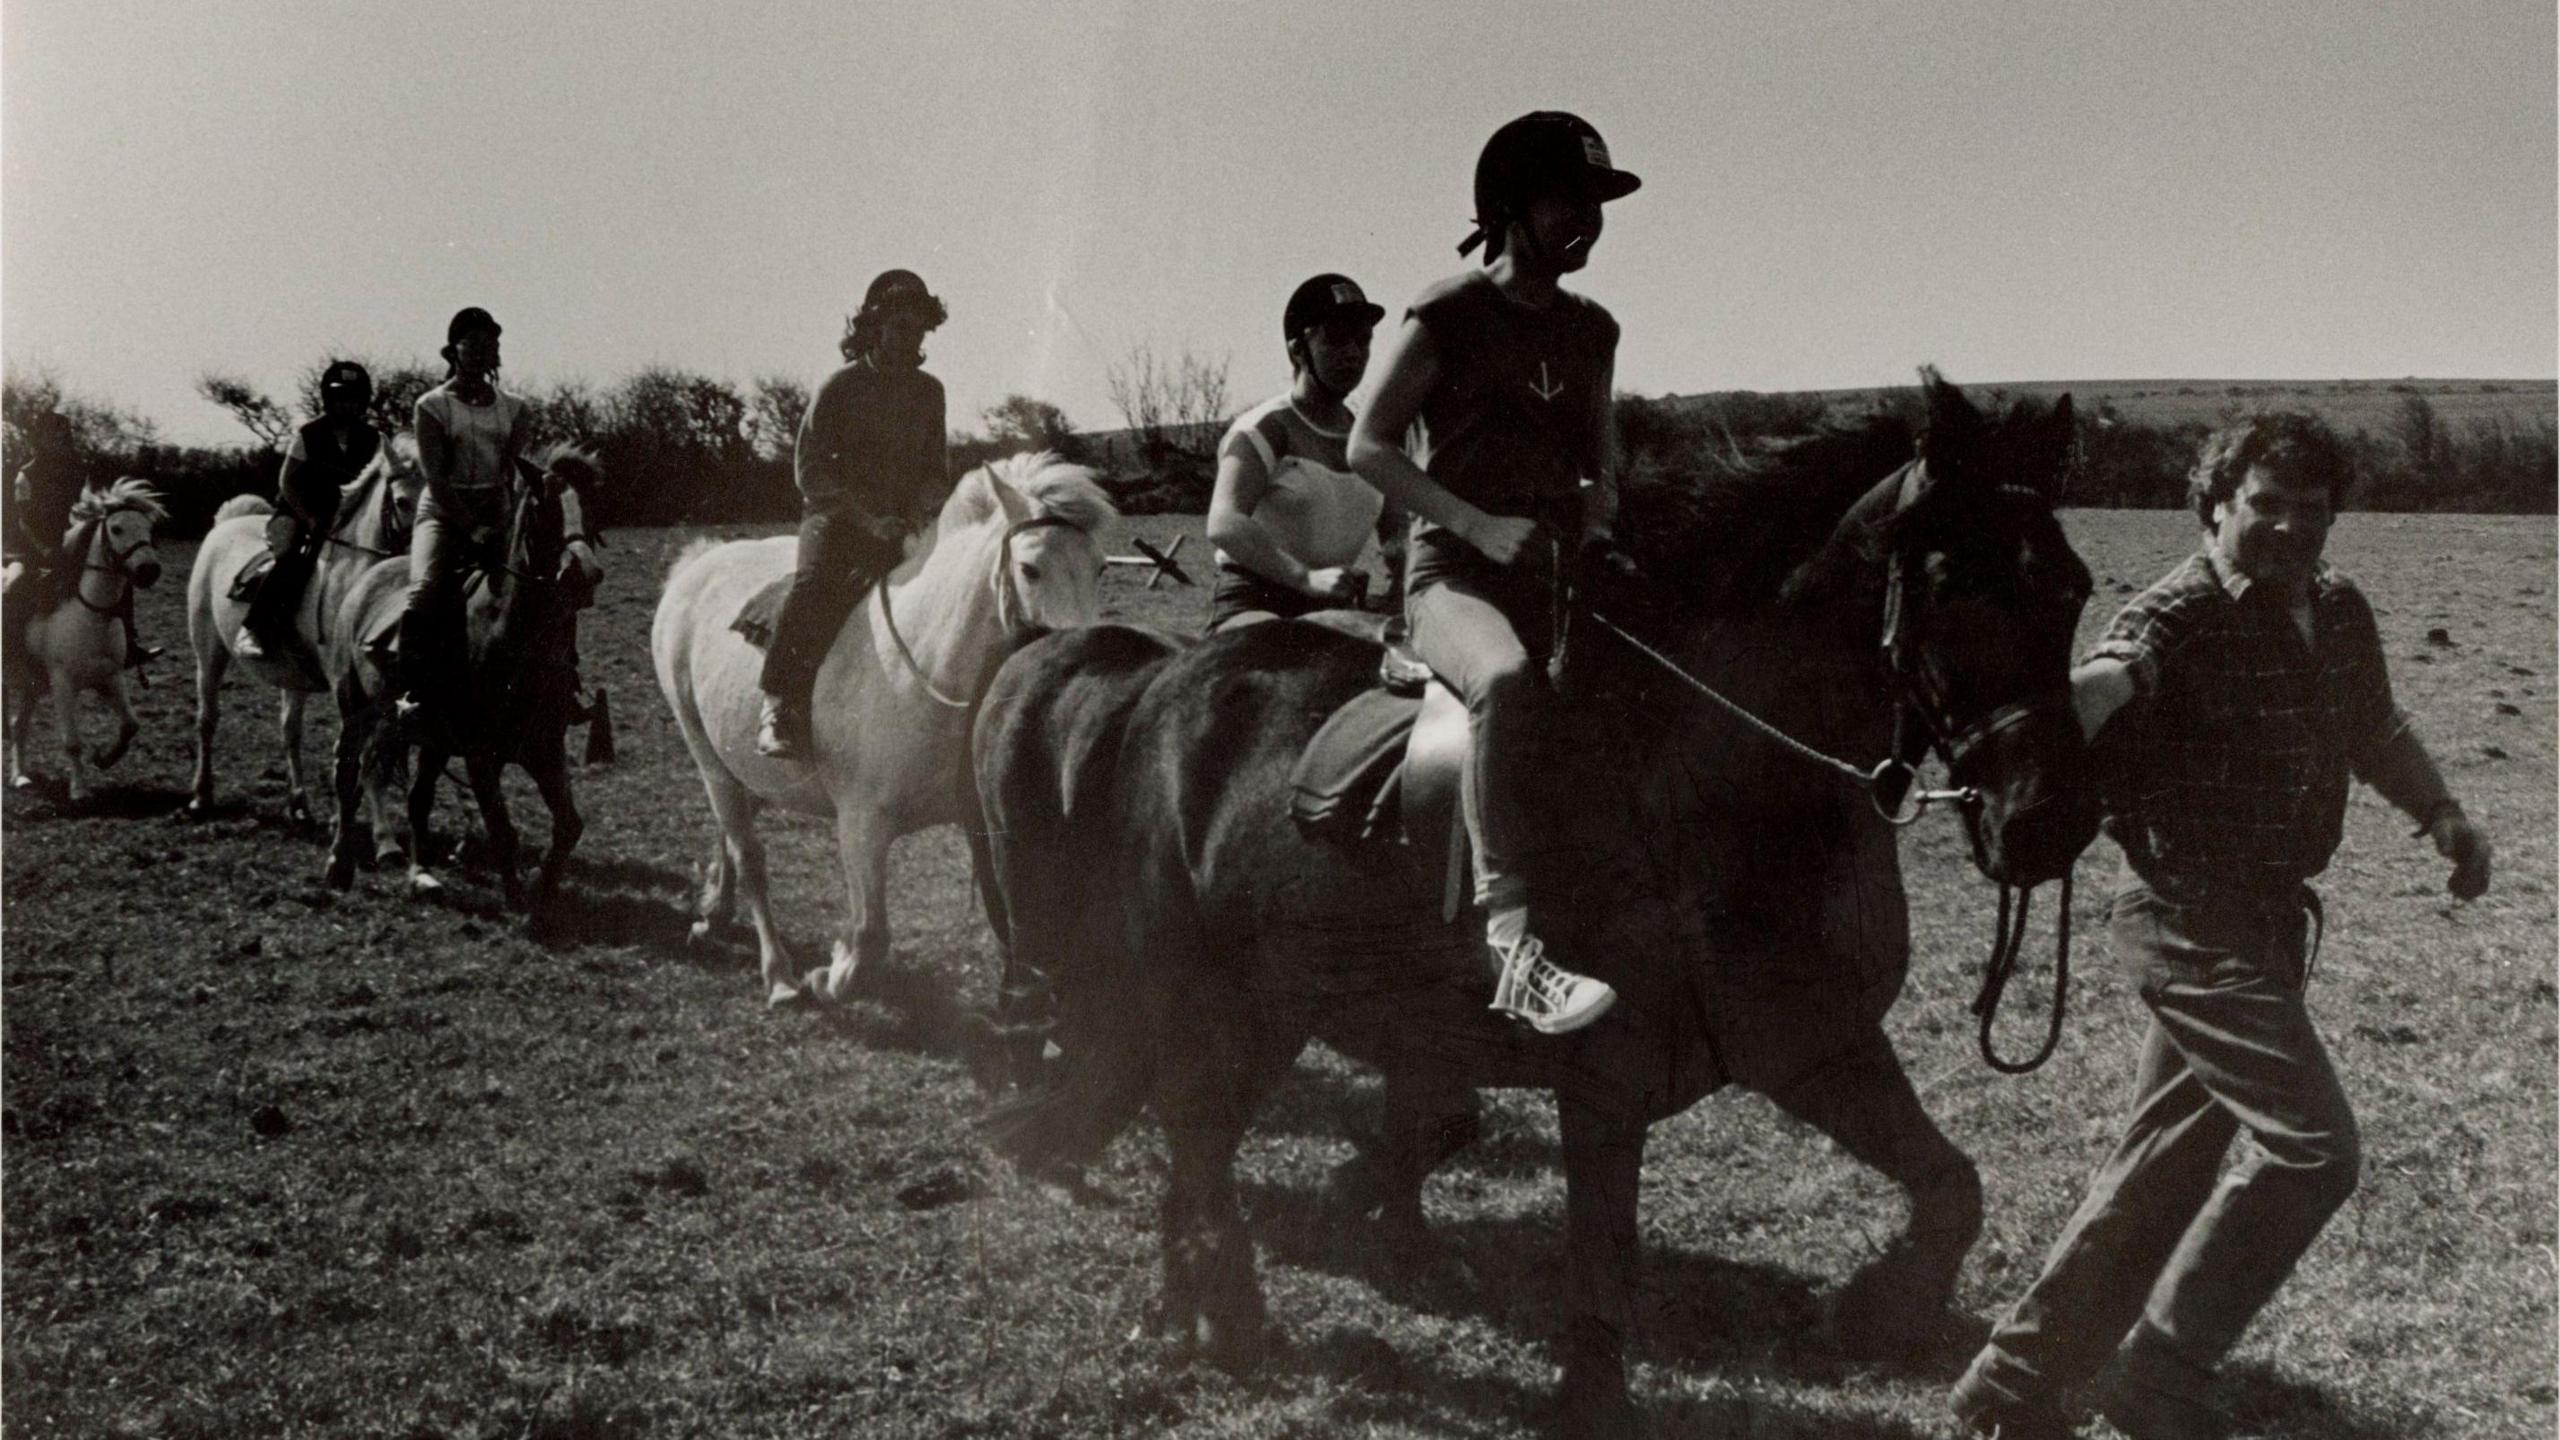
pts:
pixel 2228 706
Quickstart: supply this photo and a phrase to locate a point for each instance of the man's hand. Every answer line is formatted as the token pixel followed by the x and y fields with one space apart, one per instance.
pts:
pixel 1501 537
pixel 2461 842
pixel 1600 555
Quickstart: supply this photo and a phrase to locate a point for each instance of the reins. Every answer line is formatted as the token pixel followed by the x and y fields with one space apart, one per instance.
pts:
pixel 1915 696
pixel 114 567
pixel 1000 579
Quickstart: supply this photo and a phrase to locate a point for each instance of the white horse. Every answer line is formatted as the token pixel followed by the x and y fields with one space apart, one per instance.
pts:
pixel 1013 551
pixel 79 645
pixel 372 528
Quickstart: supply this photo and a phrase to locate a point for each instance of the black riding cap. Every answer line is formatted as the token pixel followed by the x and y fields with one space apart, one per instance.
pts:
pixel 1326 297
pixel 344 377
pixel 1545 152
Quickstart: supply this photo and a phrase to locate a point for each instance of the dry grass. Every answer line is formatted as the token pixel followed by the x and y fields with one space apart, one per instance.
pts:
pixel 287 1162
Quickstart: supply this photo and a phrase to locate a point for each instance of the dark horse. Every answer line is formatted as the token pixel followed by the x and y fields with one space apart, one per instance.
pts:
pixel 520 691
pixel 1872 591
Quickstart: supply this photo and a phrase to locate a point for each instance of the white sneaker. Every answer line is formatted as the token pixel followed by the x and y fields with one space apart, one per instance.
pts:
pixel 1552 999
pixel 246 646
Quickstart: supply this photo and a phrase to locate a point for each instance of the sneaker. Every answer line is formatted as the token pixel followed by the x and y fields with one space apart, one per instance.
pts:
pixel 782 733
pixel 1552 999
pixel 246 646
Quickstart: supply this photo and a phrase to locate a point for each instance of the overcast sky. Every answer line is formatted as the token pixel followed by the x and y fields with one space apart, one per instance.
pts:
pixel 1834 193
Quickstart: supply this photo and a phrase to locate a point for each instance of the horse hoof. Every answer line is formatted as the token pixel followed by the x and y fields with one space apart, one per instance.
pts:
pixel 28 782
pixel 1888 1313
pixel 781 993
pixel 422 883
pixel 340 873
pixel 698 934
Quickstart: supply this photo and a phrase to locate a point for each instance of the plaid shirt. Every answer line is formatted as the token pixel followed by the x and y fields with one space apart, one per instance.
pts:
pixel 2226 775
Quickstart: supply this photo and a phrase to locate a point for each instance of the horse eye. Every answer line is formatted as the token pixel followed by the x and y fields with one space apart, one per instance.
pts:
pixel 1030 571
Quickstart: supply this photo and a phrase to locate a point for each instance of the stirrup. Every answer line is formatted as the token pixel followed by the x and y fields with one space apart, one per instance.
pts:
pixel 1550 998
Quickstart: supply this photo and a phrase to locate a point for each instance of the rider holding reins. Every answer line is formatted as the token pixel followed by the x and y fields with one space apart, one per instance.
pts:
pixel 327 453
pixel 470 434
pixel 872 470
pixel 1509 376
pixel 41 497
pixel 1289 518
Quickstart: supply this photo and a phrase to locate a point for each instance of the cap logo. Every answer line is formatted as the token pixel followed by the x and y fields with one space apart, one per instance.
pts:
pixel 1595 153
pixel 1346 293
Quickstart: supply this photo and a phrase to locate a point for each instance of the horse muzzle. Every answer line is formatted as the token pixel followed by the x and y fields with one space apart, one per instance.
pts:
pixel 146 572
pixel 2038 809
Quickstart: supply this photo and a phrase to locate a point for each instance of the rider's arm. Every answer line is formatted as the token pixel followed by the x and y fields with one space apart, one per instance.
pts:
pixel 289 482
pixel 1244 477
pixel 1377 436
pixel 1600 504
pixel 435 455
pixel 835 435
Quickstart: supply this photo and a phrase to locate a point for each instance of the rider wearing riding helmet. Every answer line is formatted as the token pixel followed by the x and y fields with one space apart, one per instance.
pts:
pixel 41 497
pixel 1288 517
pixel 470 434
pixel 1509 376
pixel 327 453
pixel 872 471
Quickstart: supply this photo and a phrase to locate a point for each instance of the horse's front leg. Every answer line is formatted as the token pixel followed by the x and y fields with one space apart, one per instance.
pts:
pixel 551 779
pixel 485 772
pixel 1603 1161
pixel 1897 1302
pixel 66 715
pixel 422 810
pixel 355 734
pixel 127 725
pixel 22 714
pixel 862 845
pixel 297 801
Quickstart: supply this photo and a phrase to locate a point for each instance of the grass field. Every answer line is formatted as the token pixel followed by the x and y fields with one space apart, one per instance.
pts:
pixel 283 1161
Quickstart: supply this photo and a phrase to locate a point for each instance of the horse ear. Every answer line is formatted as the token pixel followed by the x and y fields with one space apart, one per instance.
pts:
pixel 1952 419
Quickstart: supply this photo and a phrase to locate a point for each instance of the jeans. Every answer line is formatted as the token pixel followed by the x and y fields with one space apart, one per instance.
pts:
pixel 1476 632
pixel 2166 1245
pixel 440 542
pixel 838 562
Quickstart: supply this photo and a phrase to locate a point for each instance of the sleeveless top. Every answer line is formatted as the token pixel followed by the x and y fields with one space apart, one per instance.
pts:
pixel 1507 428
pixel 470 446
pixel 1320 512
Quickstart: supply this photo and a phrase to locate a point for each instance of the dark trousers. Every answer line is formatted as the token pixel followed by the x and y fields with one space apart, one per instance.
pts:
pixel 297 551
pixel 838 561
pixel 2167 1245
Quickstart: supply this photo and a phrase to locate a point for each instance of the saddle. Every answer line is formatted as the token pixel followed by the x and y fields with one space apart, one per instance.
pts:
pixel 245 585
pixel 1383 769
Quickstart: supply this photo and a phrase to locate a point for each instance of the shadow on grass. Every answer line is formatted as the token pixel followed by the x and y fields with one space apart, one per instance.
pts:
pixel 2267 1403
pixel 50 799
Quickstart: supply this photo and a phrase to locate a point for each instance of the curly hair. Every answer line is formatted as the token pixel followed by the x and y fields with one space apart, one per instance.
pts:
pixel 862 331
pixel 2295 448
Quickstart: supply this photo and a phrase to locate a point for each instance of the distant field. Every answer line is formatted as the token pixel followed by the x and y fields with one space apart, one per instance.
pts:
pixel 2349 404
pixel 287 1162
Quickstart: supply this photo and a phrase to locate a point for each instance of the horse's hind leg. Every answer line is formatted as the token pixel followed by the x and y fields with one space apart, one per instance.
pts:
pixel 354 740
pixel 1207 1096
pixel 297 800
pixel 211 660
pixel 740 851
pixel 718 901
pixel 66 714
pixel 422 809
pixel 1896 1304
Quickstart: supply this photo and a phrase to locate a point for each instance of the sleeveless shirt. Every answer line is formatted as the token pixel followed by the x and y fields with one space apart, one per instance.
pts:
pixel 1320 512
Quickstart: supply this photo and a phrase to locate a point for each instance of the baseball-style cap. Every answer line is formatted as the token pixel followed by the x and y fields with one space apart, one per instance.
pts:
pixel 1322 298
pixel 1545 152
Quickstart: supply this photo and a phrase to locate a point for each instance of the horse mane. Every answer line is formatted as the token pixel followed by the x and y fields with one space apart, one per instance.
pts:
pixel 1727 537
pixel 127 492
pixel 1055 486
pixel 572 462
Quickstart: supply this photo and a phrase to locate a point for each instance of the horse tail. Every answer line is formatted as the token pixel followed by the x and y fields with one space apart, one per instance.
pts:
pixel 1103 1086
pixel 239 505
pixel 693 550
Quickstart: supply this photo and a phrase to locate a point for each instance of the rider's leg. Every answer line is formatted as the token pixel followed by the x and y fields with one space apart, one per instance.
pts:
pixel 1470 643
pixel 825 583
pixel 434 570
pixel 268 625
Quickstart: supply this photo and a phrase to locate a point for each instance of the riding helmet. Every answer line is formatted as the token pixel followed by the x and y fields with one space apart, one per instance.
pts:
pixel 345 377
pixel 1322 298
pixel 1545 152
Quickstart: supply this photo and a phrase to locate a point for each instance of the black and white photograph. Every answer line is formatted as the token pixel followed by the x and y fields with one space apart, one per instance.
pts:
pixel 1766 721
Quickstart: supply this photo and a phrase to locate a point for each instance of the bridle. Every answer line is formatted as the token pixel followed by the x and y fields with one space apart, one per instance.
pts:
pixel 1009 604
pixel 1920 703
pixel 115 565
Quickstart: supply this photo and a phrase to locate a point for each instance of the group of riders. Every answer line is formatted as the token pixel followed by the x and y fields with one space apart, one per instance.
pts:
pixel 1489 426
